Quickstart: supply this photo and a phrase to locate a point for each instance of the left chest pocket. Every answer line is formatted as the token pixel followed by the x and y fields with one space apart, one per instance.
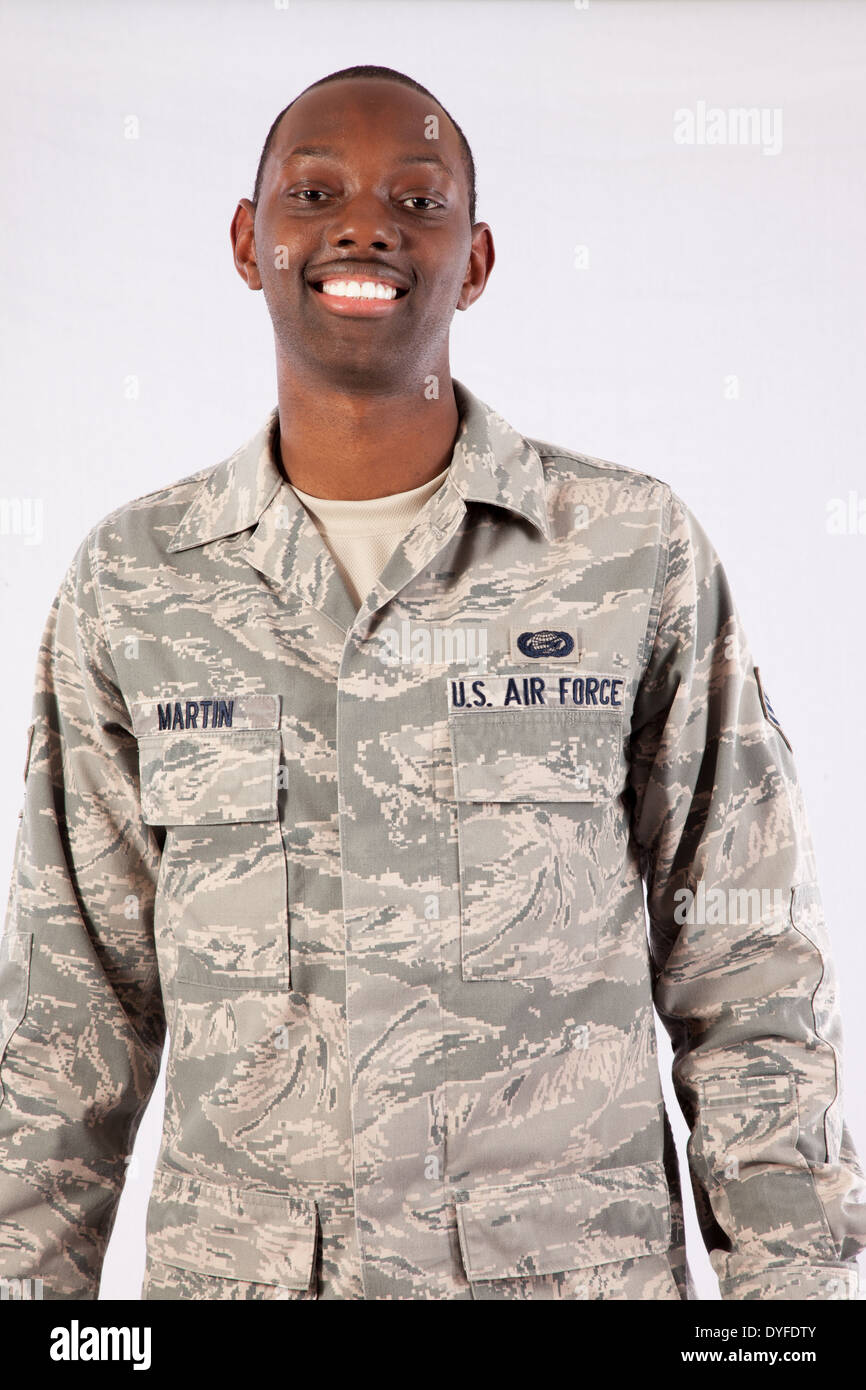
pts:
pixel 222 900
pixel 539 837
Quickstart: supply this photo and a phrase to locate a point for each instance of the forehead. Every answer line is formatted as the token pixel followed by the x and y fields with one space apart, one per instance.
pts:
pixel 356 114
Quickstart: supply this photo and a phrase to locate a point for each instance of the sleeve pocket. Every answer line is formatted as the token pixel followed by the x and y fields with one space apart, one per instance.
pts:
pixel 760 1186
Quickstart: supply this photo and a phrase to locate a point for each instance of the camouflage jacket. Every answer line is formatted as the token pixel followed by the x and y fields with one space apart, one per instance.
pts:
pixel 379 875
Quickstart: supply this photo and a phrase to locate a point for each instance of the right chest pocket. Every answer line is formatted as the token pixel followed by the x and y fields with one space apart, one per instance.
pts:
pixel 222 915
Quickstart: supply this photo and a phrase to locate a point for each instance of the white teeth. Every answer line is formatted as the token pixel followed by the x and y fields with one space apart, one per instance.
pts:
pixel 359 289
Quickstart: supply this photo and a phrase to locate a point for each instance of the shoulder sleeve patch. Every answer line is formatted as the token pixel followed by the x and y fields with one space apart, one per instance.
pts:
pixel 769 712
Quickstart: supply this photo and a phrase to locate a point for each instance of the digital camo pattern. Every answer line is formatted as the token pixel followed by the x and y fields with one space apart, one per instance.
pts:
pixel 393 921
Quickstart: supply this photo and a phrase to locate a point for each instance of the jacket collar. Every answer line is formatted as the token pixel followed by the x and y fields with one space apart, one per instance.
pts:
pixel 490 463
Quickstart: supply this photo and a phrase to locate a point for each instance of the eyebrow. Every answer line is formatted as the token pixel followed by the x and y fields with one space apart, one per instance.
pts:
pixel 326 152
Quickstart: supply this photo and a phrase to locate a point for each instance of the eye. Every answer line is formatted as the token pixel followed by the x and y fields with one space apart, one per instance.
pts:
pixel 300 191
pixel 422 198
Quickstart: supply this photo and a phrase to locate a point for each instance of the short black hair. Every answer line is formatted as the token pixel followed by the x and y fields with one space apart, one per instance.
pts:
pixel 388 75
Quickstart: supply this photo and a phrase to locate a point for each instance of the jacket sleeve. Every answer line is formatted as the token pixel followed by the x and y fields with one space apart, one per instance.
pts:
pixel 742 972
pixel 81 1016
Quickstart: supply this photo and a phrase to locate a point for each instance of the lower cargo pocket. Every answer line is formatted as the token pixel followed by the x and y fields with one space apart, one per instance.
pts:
pixel 207 1240
pixel 647 1278
pixel 169 1282
pixel 557 1236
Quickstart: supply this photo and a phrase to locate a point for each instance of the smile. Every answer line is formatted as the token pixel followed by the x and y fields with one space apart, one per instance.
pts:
pixel 358 295
pixel 359 289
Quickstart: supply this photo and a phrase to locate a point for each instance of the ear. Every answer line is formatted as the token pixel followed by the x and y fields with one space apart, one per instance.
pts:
pixel 244 243
pixel 481 258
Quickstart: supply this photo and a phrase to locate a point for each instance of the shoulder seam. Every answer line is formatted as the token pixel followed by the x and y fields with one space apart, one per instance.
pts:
pixel 191 480
pixel 94 574
pixel 549 452
pixel 659 585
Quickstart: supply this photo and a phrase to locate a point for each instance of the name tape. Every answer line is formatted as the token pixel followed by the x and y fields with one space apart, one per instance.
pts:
pixel 205 710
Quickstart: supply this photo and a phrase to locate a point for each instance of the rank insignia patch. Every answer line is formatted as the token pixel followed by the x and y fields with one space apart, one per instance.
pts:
pixel 769 712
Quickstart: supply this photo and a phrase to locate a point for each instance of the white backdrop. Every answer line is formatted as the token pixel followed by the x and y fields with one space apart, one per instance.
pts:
pixel 673 290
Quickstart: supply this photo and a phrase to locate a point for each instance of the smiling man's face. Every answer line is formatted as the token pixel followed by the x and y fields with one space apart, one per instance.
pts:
pixel 361 239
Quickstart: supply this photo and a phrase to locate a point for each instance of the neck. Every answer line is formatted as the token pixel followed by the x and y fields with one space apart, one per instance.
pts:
pixel 339 444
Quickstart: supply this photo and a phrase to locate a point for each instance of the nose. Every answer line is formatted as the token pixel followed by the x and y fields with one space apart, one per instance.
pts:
pixel 364 221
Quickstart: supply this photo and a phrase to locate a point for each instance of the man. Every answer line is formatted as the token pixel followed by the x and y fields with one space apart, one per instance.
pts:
pixel 348 758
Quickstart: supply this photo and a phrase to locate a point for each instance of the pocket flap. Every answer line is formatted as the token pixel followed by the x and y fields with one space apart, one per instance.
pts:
pixel 233 1232
pixel 208 778
pixel 548 1225
pixel 535 755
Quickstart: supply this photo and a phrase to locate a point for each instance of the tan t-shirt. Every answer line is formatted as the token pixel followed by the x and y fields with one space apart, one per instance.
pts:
pixel 363 535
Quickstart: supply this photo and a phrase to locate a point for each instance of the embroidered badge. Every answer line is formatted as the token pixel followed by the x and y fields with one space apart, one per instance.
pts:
pixel 531 644
pixel 769 712
pixel 545 643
